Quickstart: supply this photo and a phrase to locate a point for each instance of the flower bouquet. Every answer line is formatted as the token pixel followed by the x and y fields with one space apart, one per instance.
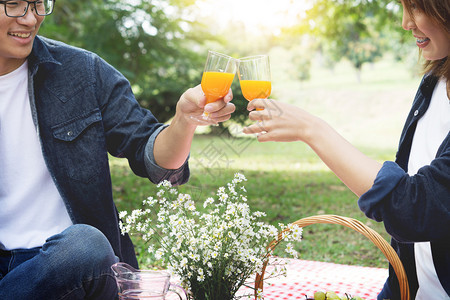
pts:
pixel 214 250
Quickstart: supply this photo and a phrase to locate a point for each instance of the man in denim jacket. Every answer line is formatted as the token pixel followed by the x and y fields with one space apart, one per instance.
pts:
pixel 62 109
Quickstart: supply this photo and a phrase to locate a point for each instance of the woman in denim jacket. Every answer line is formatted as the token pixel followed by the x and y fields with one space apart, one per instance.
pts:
pixel 411 195
pixel 62 109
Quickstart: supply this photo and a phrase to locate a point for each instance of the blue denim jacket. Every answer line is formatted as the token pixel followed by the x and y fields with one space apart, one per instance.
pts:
pixel 83 108
pixel 414 208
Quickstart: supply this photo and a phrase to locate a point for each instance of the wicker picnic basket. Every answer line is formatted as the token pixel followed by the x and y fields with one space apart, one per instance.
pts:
pixel 356 225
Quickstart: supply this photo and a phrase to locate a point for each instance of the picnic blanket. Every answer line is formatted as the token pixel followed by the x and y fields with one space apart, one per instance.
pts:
pixel 304 277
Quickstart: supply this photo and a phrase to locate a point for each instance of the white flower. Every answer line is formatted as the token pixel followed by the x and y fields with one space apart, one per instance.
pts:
pixel 231 235
pixel 124 228
pixel 189 205
pixel 239 178
pixel 290 250
pixel 208 201
pixel 223 197
pixel 150 201
pixel 183 262
pixel 259 214
pixel 158 254
pixel 165 184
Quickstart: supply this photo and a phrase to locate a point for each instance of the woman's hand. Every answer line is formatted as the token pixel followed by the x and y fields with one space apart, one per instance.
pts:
pixel 278 121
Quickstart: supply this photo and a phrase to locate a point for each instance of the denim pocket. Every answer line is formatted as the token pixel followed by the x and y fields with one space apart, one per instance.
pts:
pixel 80 143
pixel 70 130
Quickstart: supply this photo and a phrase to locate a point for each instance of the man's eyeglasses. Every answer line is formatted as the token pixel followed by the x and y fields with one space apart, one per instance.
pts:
pixel 19 8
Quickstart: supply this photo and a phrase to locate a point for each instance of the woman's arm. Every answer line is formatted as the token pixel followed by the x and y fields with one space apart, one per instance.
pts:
pixel 282 122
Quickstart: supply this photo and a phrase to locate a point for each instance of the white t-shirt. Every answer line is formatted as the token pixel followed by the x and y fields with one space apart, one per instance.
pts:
pixel 431 131
pixel 31 208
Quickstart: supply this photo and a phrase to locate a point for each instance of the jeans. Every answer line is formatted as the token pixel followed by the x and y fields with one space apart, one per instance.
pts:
pixel 74 264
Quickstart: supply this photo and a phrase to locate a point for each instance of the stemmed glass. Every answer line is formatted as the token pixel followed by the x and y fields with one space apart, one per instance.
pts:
pixel 254 77
pixel 217 78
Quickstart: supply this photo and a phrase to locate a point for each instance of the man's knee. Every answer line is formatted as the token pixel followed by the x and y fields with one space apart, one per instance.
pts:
pixel 75 264
pixel 82 247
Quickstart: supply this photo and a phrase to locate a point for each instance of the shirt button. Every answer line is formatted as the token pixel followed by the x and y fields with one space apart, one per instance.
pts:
pixel 69 133
pixel 416 113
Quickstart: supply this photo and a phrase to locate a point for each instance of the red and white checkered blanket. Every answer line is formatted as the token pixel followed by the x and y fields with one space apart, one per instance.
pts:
pixel 306 277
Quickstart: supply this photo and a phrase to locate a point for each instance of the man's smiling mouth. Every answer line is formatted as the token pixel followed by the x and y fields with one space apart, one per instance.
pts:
pixel 21 35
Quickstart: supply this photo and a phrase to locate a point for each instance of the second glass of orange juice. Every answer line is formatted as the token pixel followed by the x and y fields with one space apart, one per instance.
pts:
pixel 217 77
pixel 254 77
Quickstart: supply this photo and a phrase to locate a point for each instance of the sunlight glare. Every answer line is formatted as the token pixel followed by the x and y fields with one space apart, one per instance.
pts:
pixel 256 15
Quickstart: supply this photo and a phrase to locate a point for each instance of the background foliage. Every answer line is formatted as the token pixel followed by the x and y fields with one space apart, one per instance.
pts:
pixel 160 45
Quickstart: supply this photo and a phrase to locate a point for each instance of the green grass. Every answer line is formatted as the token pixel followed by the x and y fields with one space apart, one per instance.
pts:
pixel 288 186
pixel 287 180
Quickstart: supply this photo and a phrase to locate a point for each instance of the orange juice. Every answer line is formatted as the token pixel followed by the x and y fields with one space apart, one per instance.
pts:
pixel 252 89
pixel 215 85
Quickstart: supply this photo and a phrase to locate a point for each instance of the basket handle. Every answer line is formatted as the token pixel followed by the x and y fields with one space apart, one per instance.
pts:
pixel 356 225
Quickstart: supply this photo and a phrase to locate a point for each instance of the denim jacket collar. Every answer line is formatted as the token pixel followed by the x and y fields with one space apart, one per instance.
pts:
pixel 44 56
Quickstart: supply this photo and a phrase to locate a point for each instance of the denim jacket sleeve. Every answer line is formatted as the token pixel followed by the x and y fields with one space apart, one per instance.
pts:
pixel 158 174
pixel 413 208
pixel 130 129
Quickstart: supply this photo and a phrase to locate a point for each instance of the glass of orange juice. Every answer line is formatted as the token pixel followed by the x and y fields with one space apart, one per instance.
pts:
pixel 254 77
pixel 217 77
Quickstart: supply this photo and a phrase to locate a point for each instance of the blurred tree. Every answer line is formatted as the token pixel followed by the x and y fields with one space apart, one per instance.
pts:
pixel 358 46
pixel 155 44
pixel 353 29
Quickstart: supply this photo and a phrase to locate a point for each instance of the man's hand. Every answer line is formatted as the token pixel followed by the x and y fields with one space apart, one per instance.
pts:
pixel 192 104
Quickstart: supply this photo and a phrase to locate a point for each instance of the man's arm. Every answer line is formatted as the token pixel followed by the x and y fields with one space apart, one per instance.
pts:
pixel 173 144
